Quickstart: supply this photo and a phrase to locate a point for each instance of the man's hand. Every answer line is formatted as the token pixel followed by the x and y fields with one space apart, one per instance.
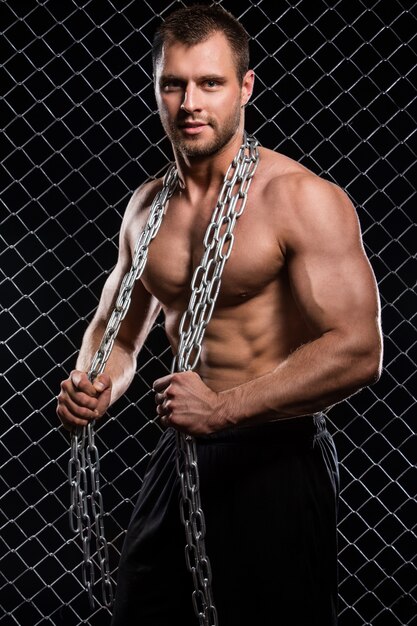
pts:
pixel 187 404
pixel 81 401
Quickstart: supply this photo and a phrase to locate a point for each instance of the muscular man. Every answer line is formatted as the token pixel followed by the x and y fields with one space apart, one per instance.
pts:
pixel 295 330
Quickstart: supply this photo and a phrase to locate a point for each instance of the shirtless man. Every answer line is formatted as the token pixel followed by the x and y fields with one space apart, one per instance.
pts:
pixel 294 331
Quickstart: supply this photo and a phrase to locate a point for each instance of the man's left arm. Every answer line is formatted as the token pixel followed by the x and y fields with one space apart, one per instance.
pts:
pixel 335 290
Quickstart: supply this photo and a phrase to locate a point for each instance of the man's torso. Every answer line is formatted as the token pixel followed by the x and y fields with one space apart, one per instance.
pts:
pixel 256 322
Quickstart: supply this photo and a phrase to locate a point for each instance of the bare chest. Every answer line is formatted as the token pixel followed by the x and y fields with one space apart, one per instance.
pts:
pixel 254 262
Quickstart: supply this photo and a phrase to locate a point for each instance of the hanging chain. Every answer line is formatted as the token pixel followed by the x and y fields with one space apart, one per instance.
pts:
pixel 205 286
pixel 86 508
pixel 84 464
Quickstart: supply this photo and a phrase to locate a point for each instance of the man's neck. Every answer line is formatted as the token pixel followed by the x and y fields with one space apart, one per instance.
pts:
pixel 204 175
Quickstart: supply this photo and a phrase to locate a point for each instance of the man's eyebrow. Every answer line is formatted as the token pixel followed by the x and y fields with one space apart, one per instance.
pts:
pixel 173 77
pixel 218 77
pixel 165 77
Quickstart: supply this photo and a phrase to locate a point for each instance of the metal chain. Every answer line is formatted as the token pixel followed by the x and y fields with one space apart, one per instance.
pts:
pixel 84 461
pixel 205 286
pixel 86 508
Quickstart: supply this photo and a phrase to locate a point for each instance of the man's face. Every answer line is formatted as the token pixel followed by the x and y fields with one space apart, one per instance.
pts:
pixel 199 96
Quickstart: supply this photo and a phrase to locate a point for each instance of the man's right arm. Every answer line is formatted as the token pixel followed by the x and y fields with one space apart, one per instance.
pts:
pixel 81 400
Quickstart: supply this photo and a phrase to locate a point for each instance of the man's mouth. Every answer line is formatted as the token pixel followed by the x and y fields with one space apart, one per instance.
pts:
pixel 193 128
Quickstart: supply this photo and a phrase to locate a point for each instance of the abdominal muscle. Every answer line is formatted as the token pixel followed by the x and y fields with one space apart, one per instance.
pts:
pixel 244 341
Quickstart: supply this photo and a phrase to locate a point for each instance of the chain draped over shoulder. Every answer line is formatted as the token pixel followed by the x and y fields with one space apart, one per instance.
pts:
pixel 84 464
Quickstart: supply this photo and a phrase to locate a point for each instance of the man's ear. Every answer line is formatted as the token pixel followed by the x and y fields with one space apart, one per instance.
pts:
pixel 247 87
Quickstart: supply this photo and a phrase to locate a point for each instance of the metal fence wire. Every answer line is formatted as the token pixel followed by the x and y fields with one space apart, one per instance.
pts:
pixel 335 90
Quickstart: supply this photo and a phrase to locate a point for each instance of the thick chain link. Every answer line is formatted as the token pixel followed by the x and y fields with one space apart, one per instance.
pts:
pixel 86 508
pixel 205 286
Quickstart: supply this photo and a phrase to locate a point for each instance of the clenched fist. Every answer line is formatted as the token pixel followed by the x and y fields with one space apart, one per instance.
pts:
pixel 186 403
pixel 81 401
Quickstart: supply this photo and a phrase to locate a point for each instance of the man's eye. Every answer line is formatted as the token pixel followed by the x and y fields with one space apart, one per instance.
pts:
pixel 212 83
pixel 171 85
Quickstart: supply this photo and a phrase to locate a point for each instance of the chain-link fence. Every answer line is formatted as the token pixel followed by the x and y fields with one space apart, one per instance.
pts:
pixel 336 90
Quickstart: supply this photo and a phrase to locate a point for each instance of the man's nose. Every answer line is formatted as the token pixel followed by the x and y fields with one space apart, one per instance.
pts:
pixel 192 100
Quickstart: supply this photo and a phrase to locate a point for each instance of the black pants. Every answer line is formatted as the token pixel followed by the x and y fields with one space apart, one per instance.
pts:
pixel 269 495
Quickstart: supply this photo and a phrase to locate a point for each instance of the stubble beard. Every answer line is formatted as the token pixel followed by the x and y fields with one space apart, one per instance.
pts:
pixel 194 146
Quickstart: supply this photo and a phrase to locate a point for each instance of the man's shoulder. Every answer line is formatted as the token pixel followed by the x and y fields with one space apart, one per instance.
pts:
pixel 303 205
pixel 137 210
pixel 144 195
pixel 283 171
pixel 287 183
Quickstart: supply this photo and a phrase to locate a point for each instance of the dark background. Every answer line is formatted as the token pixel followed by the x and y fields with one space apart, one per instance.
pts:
pixel 336 90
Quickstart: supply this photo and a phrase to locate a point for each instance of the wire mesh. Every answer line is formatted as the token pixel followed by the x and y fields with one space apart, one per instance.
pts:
pixel 335 90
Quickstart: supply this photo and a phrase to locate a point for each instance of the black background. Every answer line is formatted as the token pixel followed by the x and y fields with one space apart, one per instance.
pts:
pixel 336 90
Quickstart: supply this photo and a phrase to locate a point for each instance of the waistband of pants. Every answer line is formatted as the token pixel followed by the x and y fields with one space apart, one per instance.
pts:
pixel 297 430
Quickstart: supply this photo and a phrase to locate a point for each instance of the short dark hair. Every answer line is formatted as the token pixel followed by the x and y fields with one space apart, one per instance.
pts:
pixel 196 23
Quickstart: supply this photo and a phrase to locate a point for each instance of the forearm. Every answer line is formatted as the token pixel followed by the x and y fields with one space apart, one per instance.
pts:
pixel 121 364
pixel 314 377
